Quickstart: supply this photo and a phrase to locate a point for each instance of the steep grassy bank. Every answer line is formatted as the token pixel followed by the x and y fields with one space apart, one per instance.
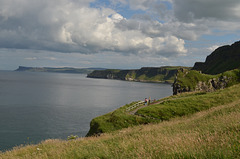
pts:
pixel 166 109
pixel 214 133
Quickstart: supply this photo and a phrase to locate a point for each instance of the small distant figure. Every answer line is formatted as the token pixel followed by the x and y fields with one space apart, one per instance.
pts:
pixel 146 101
pixel 149 100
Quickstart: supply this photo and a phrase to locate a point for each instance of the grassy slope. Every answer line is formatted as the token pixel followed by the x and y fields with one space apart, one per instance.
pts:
pixel 213 133
pixel 116 120
pixel 179 105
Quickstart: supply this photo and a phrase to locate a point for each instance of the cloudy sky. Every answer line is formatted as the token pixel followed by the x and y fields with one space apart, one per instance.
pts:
pixel 114 33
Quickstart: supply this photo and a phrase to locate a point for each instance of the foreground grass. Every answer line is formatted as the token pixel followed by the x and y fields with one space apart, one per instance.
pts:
pixel 213 133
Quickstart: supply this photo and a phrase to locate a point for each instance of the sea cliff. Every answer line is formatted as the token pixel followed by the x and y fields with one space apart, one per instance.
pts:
pixel 192 81
pixel 146 74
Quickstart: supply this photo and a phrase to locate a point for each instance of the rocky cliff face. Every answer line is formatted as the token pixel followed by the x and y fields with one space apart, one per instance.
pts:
pixel 190 81
pixel 222 59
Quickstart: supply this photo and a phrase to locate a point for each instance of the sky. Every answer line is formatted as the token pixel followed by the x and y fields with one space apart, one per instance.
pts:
pixel 120 34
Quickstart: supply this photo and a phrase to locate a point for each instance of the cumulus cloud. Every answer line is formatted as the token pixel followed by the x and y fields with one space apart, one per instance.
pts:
pixel 184 19
pixel 73 26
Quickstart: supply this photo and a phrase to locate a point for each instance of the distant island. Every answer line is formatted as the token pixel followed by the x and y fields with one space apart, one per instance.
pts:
pixel 58 70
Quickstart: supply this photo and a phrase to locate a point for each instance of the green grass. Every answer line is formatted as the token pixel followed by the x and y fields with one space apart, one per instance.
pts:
pixel 213 133
pixel 190 104
pixel 171 107
pixel 116 120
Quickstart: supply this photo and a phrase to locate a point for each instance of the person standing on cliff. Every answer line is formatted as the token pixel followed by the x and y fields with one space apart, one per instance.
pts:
pixel 146 101
pixel 149 100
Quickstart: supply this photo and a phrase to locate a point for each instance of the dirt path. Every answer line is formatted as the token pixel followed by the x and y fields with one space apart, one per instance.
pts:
pixel 133 112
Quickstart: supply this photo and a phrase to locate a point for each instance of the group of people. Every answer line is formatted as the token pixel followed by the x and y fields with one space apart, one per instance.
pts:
pixel 148 101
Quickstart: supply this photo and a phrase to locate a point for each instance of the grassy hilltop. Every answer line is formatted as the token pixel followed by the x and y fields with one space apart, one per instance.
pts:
pixel 212 132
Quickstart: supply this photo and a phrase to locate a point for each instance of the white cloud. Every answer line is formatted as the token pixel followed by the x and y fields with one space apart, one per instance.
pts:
pixel 72 26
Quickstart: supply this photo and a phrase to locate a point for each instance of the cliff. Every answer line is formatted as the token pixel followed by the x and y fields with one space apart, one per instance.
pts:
pixel 145 74
pixel 222 59
pixel 192 80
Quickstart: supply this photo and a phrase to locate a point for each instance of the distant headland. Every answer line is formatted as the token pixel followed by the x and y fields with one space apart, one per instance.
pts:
pixel 165 74
pixel 58 70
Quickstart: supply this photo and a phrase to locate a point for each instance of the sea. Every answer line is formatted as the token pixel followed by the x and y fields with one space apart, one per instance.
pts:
pixel 36 106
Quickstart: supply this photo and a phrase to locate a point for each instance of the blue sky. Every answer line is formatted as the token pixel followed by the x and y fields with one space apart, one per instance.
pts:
pixel 121 34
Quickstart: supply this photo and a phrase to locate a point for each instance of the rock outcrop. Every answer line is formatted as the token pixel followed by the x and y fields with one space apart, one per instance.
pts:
pixel 190 81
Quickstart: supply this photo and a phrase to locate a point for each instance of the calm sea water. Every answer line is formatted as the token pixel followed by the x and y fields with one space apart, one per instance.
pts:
pixel 39 106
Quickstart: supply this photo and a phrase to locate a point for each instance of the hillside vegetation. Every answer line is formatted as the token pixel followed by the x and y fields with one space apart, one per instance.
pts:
pixel 213 133
pixel 223 59
pixel 191 80
pixel 145 74
pixel 164 109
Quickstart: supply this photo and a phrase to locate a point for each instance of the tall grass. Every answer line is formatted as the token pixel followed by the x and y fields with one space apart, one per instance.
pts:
pixel 214 133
